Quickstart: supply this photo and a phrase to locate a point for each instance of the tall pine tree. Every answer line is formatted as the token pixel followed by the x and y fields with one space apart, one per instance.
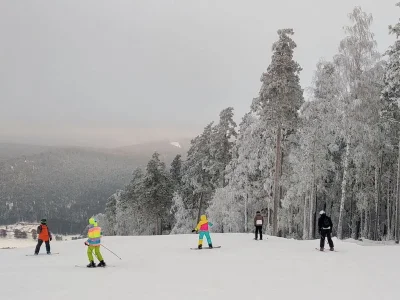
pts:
pixel 279 101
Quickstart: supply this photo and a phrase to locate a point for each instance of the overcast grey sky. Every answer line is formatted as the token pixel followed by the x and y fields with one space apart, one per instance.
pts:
pixel 111 73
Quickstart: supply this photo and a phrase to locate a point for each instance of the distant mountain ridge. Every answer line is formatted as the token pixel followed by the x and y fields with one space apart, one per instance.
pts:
pixel 68 184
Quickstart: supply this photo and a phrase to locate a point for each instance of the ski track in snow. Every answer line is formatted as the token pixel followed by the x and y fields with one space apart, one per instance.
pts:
pixel 164 267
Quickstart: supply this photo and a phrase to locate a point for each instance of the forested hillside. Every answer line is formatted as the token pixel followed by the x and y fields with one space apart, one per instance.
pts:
pixel 66 185
pixel 289 158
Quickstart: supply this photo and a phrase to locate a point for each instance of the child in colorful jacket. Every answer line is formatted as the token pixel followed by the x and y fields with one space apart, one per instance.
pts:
pixel 202 228
pixel 93 243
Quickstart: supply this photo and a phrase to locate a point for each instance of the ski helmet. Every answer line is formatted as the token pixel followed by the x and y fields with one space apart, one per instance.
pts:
pixel 322 212
pixel 92 221
pixel 43 221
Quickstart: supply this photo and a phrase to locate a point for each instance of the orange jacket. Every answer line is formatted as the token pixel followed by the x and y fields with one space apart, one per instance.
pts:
pixel 44 233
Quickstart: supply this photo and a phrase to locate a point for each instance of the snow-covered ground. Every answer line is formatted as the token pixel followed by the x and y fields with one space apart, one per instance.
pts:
pixel 165 268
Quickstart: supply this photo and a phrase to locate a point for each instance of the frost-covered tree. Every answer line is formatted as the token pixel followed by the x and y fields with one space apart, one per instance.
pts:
pixel 176 171
pixel 197 172
pixel 312 158
pixel 250 171
pixel 279 100
pixel 357 55
pixel 157 189
pixel 185 219
pixel 222 142
pixel 390 122
pixel 111 212
pixel 225 211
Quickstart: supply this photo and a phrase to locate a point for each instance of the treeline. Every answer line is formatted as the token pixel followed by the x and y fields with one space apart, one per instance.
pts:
pixel 289 158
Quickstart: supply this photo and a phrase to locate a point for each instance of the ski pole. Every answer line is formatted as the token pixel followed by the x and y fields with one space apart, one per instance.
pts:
pixel 112 252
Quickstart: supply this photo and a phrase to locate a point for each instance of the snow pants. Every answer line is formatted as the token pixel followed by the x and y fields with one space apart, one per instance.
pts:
pixel 39 244
pixel 207 235
pixel 259 231
pixel 96 250
pixel 325 233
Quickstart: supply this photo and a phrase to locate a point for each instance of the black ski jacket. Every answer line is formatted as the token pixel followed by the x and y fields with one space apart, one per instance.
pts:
pixel 322 225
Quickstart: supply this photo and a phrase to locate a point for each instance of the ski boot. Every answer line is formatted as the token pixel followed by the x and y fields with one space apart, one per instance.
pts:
pixel 101 264
pixel 210 246
pixel 332 249
pixel 49 253
pixel 200 247
pixel 321 249
pixel 91 265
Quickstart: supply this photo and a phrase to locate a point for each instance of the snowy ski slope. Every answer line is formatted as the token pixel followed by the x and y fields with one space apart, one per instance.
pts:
pixel 164 267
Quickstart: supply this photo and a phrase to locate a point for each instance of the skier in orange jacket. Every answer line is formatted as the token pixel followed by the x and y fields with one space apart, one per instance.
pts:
pixel 44 236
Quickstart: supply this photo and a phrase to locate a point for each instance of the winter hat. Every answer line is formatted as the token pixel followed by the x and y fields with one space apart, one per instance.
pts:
pixel 322 212
pixel 43 221
pixel 92 221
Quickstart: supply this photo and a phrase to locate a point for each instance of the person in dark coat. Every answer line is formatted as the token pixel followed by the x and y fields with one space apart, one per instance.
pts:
pixel 325 229
pixel 258 223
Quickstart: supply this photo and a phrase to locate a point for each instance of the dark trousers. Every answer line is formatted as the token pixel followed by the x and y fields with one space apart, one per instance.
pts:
pixel 326 233
pixel 259 230
pixel 39 244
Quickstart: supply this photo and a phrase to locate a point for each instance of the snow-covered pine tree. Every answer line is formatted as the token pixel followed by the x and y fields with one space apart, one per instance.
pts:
pixel 111 212
pixel 225 212
pixel 222 142
pixel 185 219
pixel 249 173
pixel 158 191
pixel 197 177
pixel 134 217
pixel 176 172
pixel 311 159
pixel 279 100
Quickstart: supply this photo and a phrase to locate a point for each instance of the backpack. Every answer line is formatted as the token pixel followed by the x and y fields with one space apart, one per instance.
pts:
pixel 327 222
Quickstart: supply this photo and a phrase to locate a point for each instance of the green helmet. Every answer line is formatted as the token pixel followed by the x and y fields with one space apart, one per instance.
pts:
pixel 43 221
pixel 92 221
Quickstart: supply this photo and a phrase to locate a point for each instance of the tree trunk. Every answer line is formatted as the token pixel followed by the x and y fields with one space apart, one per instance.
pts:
pixel 291 221
pixel 344 187
pixel 305 231
pixel 376 186
pixel 361 224
pixel 397 199
pixel 276 181
pixel 245 214
pixel 378 195
pixel 200 207
pixel 388 221
pixel 312 196
pixel 315 212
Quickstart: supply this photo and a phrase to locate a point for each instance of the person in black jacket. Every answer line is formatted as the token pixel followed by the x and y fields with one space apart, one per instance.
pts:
pixel 258 223
pixel 325 229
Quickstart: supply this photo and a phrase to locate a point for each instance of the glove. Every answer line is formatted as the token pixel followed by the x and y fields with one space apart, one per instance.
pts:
pixel 194 230
pixel 86 243
pixel 51 239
